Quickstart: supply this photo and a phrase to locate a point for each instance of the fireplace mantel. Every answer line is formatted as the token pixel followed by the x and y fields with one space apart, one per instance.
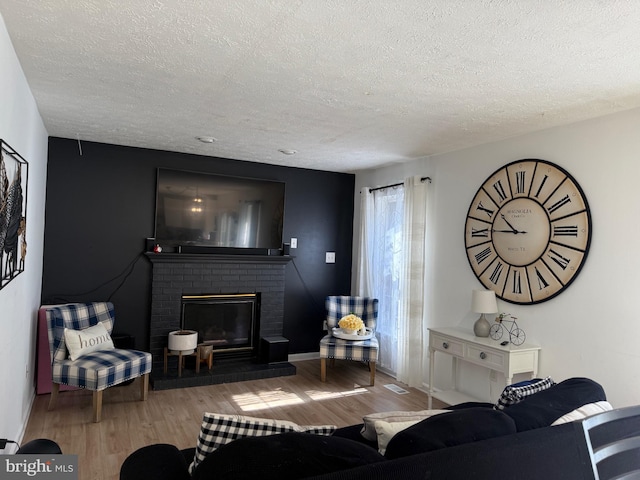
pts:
pixel 217 258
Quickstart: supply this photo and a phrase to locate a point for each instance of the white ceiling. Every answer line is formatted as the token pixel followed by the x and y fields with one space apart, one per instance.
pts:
pixel 348 84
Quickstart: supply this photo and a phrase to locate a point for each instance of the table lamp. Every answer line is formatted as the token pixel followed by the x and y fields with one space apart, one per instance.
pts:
pixel 483 301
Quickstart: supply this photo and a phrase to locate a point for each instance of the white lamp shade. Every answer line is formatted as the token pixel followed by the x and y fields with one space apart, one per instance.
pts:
pixel 484 301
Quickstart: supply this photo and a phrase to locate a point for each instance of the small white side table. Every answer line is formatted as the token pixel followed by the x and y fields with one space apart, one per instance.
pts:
pixel 463 345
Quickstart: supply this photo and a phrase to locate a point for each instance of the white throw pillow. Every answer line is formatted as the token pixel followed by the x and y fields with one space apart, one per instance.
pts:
pixel 219 429
pixel 369 430
pixel 91 339
pixel 584 412
pixel 386 431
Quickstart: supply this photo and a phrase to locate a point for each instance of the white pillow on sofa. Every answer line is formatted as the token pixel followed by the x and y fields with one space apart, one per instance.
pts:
pixel 386 431
pixel 369 429
pixel 584 412
pixel 91 339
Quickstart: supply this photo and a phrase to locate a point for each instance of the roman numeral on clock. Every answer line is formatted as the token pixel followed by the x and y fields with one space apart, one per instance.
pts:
pixel 565 231
pixel 563 201
pixel 482 208
pixel 563 262
pixel 542 283
pixel 500 190
pixel 541 185
pixel 517 285
pixel 479 232
pixel 483 255
pixel 520 182
pixel 495 276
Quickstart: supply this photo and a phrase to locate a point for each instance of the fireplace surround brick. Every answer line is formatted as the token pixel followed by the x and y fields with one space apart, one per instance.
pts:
pixel 180 274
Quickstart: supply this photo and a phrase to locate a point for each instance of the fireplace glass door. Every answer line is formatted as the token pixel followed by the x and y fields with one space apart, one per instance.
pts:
pixel 227 322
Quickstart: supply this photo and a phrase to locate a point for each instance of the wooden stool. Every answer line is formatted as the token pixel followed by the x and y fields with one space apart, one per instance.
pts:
pixel 170 353
pixel 203 354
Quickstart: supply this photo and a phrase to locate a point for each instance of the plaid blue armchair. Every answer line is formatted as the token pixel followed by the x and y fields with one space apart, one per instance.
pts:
pixel 95 370
pixel 359 350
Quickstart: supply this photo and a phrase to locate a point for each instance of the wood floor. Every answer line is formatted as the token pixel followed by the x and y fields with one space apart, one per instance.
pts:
pixel 174 416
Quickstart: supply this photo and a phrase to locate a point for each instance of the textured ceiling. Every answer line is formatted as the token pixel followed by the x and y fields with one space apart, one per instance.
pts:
pixel 348 84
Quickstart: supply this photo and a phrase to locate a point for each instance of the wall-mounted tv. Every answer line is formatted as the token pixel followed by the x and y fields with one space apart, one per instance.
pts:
pixel 226 213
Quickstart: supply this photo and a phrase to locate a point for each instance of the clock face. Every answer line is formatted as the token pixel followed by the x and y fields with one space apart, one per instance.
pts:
pixel 528 231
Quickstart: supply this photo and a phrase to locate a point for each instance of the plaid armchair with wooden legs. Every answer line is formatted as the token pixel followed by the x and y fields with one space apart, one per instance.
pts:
pixel 359 350
pixel 96 368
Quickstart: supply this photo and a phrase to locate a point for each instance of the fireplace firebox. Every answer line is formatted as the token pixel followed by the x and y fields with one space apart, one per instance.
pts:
pixel 230 323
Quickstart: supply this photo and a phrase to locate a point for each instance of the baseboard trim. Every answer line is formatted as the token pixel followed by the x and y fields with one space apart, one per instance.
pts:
pixel 299 357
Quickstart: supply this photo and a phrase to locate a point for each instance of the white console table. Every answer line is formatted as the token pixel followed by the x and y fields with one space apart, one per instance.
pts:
pixel 463 345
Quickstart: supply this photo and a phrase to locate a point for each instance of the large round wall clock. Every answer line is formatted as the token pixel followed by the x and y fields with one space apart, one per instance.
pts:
pixel 528 231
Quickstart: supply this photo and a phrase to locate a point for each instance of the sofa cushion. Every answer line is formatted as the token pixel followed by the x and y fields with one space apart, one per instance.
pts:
pixel 352 432
pixel 544 408
pixel 284 456
pixel 219 429
pixel 454 428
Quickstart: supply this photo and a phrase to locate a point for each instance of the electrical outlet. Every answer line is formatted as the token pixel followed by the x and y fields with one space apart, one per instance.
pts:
pixel 330 257
pixel 294 243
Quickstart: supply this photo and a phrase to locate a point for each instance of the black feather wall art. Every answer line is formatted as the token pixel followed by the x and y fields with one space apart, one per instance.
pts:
pixel 14 173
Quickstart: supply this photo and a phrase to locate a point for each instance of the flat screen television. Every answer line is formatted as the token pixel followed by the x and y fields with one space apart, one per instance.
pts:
pixel 225 213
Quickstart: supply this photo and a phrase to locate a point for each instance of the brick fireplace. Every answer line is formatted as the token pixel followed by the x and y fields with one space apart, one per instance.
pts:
pixel 178 274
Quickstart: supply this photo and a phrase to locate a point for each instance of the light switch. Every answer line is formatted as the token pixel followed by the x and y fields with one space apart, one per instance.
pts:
pixel 294 243
pixel 330 257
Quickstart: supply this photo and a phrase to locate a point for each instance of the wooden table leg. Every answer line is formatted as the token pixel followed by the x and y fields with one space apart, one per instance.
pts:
pixel 372 370
pixel 198 353
pixel 166 354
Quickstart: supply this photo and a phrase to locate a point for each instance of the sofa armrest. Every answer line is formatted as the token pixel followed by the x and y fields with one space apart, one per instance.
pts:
pixel 160 461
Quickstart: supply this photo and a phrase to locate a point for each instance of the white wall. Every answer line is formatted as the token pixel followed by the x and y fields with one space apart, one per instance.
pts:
pixel 593 328
pixel 22 128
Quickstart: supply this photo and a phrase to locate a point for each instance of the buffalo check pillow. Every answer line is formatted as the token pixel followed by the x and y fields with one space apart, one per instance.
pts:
pixel 219 429
pixel 517 392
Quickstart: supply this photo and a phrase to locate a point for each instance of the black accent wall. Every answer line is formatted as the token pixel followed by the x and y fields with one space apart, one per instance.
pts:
pixel 100 207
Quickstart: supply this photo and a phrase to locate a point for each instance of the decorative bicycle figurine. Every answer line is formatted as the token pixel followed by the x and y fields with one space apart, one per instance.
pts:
pixel 516 334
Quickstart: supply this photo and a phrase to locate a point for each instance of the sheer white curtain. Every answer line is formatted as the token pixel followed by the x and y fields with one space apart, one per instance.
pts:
pixel 364 282
pixel 391 267
pixel 412 322
pixel 380 268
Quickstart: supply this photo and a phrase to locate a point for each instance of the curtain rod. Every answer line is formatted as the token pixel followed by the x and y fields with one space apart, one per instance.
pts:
pixel 423 179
